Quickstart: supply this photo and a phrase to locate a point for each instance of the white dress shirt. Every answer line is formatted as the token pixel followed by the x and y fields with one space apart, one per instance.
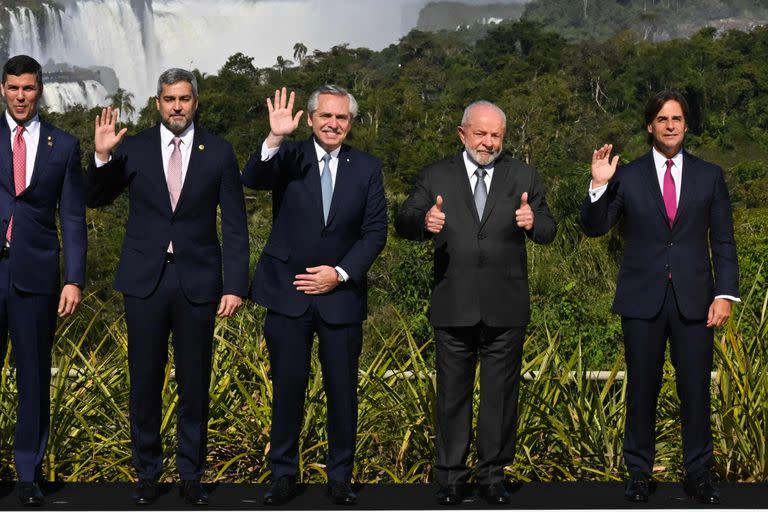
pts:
pixel 166 146
pixel 333 165
pixel 471 167
pixel 31 137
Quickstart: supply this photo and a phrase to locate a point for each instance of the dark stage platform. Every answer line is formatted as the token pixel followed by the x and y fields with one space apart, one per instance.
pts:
pixel 571 495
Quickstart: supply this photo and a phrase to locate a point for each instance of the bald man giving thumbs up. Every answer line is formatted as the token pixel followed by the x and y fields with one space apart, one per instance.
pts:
pixel 478 207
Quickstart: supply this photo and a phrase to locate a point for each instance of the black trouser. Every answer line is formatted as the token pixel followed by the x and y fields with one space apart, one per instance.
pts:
pixel 500 350
pixel 691 347
pixel 150 321
pixel 289 341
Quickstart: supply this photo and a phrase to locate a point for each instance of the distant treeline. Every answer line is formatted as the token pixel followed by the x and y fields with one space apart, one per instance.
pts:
pixel 562 100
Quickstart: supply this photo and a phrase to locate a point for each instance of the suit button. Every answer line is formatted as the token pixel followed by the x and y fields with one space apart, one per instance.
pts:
pixel 666 267
pixel 670 244
pixel 481 236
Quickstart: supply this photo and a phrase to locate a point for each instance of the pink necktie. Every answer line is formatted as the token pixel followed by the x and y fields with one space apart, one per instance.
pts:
pixel 19 169
pixel 174 177
pixel 669 193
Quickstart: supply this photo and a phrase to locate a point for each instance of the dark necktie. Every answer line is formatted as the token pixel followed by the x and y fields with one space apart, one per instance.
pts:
pixel 481 191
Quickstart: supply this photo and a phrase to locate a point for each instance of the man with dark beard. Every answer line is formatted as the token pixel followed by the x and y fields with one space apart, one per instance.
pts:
pixel 478 207
pixel 178 175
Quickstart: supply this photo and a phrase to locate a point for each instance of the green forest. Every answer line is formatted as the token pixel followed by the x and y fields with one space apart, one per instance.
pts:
pixel 564 95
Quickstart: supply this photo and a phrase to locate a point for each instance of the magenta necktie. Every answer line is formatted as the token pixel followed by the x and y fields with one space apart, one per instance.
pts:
pixel 670 193
pixel 174 177
pixel 19 169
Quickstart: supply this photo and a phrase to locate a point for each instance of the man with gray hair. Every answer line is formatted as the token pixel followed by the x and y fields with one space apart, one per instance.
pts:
pixel 329 222
pixel 170 273
pixel 478 207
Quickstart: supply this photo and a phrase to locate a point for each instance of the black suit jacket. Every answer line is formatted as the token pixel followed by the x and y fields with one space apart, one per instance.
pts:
pixel 481 266
pixel 212 181
pixel 57 181
pixel 653 249
pixel 354 235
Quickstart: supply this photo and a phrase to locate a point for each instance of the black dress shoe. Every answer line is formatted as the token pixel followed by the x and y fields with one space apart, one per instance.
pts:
pixel 449 495
pixel 281 491
pixel 637 488
pixel 702 488
pixel 145 492
pixel 340 493
pixel 496 494
pixel 193 492
pixel 30 494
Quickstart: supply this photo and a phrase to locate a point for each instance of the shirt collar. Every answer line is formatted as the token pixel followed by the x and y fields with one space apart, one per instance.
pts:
pixel 660 161
pixel 32 125
pixel 321 152
pixel 166 136
pixel 471 166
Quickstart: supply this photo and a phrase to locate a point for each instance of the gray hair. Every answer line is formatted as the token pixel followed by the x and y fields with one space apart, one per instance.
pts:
pixel 175 75
pixel 336 91
pixel 482 103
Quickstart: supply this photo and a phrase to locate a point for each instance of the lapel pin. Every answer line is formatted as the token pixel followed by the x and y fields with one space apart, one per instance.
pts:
pixel 201 147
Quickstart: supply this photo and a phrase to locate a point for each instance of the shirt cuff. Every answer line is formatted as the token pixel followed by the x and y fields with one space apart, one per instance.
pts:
pixel 343 274
pixel 596 193
pixel 99 162
pixel 728 297
pixel 268 153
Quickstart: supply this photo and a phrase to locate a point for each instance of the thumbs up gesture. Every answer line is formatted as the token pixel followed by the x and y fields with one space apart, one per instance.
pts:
pixel 524 214
pixel 434 220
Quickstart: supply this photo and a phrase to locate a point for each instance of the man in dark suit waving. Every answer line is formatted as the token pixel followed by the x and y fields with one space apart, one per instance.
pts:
pixel 178 175
pixel 329 222
pixel 40 171
pixel 479 206
pixel 676 211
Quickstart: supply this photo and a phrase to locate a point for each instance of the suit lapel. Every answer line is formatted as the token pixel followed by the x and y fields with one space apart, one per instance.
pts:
pixel 687 185
pixel 343 182
pixel 312 181
pixel 6 156
pixel 652 180
pixel 156 168
pixel 45 145
pixel 197 158
pixel 463 185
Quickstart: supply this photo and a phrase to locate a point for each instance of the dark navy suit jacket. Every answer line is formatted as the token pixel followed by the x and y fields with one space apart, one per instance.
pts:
pixel 653 250
pixel 354 235
pixel 212 181
pixel 57 181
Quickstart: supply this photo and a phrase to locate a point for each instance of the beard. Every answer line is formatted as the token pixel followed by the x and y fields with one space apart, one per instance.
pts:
pixel 177 127
pixel 482 157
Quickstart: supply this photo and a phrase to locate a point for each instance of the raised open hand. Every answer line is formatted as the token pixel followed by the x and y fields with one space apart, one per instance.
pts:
pixel 603 166
pixel 282 121
pixel 105 138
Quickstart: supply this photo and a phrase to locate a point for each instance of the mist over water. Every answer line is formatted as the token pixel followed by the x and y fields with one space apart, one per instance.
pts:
pixel 140 38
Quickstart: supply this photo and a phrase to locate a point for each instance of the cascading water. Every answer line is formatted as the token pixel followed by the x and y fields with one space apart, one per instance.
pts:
pixel 60 96
pixel 140 38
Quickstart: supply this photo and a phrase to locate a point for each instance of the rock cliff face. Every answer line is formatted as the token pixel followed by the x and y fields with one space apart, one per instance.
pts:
pixel 452 15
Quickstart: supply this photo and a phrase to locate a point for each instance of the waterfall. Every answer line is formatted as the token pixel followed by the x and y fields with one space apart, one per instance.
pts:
pixel 60 96
pixel 140 38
